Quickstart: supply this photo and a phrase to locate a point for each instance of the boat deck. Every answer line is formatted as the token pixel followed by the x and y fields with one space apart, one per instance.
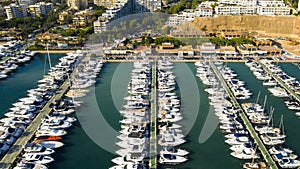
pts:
pixel 11 156
pixel 278 80
pixel 28 134
pixel 246 121
pixel 153 127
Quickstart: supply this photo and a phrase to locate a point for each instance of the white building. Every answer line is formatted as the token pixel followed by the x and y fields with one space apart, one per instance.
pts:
pixel 238 2
pixel 119 10
pixel 204 9
pixel 269 3
pixel 235 10
pixel 204 12
pixel 251 7
pixel 100 24
pixel 106 3
pixel 15 11
pixel 40 8
pixel 77 4
pixel 146 5
pixel 27 2
pixel 185 16
pixel 298 6
pixel 270 10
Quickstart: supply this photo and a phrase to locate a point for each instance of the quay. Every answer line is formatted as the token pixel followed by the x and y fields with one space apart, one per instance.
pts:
pixel 11 156
pixel 194 60
pixel 278 80
pixel 246 121
pixel 153 121
pixel 53 51
pixel 4 59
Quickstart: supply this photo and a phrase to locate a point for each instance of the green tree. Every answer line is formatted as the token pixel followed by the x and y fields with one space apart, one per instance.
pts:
pixel 99 12
pixel 132 24
pixel 67 19
pixel 195 4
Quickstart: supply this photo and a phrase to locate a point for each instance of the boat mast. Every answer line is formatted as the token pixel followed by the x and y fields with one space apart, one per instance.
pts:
pixel 271 116
pixel 265 101
pixel 252 162
pixel 49 59
pixel 281 124
pixel 257 97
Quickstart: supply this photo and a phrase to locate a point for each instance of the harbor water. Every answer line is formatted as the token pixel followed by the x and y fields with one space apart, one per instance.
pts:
pixel 26 77
pixel 82 152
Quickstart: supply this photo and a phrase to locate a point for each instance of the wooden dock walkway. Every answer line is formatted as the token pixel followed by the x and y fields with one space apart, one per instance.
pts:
pixel 246 121
pixel 153 125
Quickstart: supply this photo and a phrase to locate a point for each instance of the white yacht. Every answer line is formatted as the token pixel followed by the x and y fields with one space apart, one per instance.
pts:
pixel 130 157
pixel 238 140
pixel 289 163
pixel 32 148
pixel 171 159
pixel 49 132
pixel 57 116
pixel 247 153
pixel 278 92
pixel 278 149
pixel 170 141
pixel 50 144
pixel 38 159
pixel 24 165
pixel 56 124
pixel 172 150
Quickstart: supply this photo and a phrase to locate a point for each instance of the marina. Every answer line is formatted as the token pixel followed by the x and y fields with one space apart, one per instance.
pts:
pixel 191 158
pixel 250 128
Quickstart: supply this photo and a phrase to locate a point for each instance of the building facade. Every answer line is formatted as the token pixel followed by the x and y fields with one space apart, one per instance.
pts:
pixel 15 11
pixel 119 10
pixel 82 18
pixel 78 4
pixel 106 3
pixel 40 8
pixel 146 5
pixel 26 2
pixel 270 3
pixel 273 10
pixel 238 2
pixel 235 10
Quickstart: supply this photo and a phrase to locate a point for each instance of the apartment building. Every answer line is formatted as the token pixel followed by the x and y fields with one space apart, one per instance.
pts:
pixel 273 10
pixel 119 10
pixel 26 2
pixel 15 11
pixel 40 8
pixel 238 2
pixel 236 10
pixel 83 18
pixel 77 4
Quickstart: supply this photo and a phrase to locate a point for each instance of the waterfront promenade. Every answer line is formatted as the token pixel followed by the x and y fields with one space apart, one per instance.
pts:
pixel 246 121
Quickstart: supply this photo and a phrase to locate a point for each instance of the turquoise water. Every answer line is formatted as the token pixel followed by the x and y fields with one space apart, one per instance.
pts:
pixel 82 152
pixel 26 77
pixel 291 122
